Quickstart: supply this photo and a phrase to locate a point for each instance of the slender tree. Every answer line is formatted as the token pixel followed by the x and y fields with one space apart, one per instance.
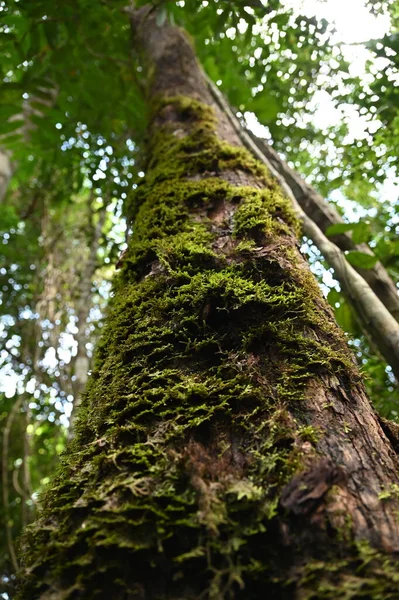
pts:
pixel 5 173
pixel 225 447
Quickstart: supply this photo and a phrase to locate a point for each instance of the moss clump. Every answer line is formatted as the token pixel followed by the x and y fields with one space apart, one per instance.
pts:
pixel 177 152
pixel 366 574
pixel 264 213
pixel 186 437
pixel 164 228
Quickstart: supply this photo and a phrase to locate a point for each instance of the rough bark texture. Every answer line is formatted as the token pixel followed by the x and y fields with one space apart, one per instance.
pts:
pixel 225 447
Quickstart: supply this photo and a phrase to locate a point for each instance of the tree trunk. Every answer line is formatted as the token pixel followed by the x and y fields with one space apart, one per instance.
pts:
pixel 225 446
pixel 84 304
pixel 5 173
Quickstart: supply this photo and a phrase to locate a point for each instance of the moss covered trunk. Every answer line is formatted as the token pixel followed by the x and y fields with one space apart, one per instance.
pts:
pixel 225 446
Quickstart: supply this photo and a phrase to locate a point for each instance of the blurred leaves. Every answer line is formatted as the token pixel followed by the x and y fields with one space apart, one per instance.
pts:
pixel 360 231
pixel 361 259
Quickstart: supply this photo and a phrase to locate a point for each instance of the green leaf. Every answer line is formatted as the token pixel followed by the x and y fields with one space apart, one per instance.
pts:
pixel 11 126
pixel 265 106
pixel 361 232
pixel 51 32
pixel 211 68
pixel 7 111
pixel 8 217
pixel 339 228
pixel 361 259
pixel 333 297
pixel 220 23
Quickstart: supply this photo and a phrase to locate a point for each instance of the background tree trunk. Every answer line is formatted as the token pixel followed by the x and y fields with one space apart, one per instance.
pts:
pixel 84 304
pixel 5 173
pixel 225 446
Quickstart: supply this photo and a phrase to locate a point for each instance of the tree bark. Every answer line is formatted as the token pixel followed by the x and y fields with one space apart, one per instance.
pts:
pixel 225 447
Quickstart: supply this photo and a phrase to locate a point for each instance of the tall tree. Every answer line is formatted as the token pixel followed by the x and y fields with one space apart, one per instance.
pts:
pixel 225 447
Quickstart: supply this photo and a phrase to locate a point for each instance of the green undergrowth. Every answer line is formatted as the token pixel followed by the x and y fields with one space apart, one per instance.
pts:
pixel 191 424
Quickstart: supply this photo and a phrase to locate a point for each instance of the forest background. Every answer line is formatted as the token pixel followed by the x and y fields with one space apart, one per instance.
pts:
pixel 322 94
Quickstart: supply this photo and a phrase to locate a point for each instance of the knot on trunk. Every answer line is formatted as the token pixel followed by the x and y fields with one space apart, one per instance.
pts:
pixel 307 489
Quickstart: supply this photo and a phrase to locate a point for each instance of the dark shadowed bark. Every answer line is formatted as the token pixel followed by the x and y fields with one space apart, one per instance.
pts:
pixel 225 446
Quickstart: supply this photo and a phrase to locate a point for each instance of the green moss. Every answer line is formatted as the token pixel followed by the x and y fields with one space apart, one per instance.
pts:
pixel 366 573
pixel 311 434
pixel 185 439
pixel 177 153
pixel 391 492
pixel 264 212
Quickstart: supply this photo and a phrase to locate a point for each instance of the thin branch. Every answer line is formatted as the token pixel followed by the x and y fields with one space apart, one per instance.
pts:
pixel 28 489
pixel 15 482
